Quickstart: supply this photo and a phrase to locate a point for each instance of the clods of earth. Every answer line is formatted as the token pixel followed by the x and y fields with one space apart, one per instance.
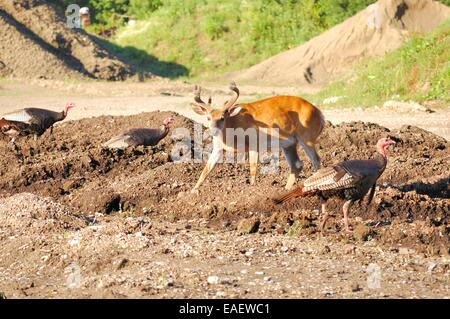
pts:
pixel 76 219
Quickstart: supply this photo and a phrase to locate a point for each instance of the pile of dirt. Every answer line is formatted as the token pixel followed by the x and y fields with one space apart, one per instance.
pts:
pixel 25 212
pixel 380 28
pixel 33 30
pixel 73 169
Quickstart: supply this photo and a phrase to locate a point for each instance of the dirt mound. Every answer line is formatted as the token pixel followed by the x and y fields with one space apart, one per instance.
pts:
pixel 25 212
pixel 19 53
pixel 32 30
pixel 72 168
pixel 380 28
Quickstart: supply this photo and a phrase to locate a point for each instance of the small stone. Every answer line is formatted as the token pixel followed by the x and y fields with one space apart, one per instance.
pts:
pixel 326 249
pixel 355 287
pixel 363 233
pixel 432 266
pixel 259 273
pixel 248 225
pixel 121 263
pixel 170 282
pixel 350 250
pixel 267 278
pixel 213 280
pixel 68 185
pixel 405 251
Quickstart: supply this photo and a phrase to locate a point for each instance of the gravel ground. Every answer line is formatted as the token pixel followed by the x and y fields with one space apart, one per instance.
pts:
pixel 123 256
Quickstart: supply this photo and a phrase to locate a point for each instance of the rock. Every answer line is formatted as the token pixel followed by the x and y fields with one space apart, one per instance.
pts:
pixel 170 282
pixel 326 249
pixel 350 250
pixel 405 251
pixel 68 185
pixel 363 233
pixel 103 201
pixel 432 266
pixel 406 106
pixel 267 278
pixel 355 287
pixel 331 100
pixel 213 280
pixel 165 251
pixel 121 263
pixel 298 226
pixel 248 225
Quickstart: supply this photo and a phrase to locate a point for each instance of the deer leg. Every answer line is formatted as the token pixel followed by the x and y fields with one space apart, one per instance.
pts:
pixel 346 209
pixel 295 164
pixel 253 159
pixel 310 150
pixel 215 155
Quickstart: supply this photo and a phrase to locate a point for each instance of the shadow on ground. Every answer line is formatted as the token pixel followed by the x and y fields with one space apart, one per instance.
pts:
pixel 143 61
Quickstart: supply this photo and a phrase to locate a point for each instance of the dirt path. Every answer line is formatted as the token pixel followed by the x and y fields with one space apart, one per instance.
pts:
pixel 95 99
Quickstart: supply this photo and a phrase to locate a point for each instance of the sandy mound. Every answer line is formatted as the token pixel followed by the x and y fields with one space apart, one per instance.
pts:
pixel 19 52
pixel 380 28
pixel 32 30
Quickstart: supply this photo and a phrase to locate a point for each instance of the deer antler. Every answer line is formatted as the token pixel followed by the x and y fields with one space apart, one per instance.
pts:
pixel 198 100
pixel 233 100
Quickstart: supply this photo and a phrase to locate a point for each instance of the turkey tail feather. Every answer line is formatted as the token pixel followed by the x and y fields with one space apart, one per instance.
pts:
pixel 4 123
pixel 298 192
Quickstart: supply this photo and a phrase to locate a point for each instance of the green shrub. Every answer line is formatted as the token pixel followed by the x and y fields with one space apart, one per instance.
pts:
pixel 418 70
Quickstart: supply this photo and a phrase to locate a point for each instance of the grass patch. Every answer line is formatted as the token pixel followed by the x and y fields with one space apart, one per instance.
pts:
pixel 211 37
pixel 419 70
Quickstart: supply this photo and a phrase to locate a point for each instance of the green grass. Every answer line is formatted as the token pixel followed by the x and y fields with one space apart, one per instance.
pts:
pixel 419 70
pixel 210 37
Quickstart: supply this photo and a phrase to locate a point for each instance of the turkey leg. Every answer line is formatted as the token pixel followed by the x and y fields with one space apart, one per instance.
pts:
pixel 324 218
pixel 346 209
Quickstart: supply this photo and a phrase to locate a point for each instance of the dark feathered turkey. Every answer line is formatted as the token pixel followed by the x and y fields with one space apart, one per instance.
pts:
pixel 140 136
pixel 350 180
pixel 31 120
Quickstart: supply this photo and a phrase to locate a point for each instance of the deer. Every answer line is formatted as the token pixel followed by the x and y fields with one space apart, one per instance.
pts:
pixel 291 120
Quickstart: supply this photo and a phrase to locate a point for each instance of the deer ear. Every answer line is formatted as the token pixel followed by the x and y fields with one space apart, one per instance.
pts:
pixel 234 110
pixel 199 109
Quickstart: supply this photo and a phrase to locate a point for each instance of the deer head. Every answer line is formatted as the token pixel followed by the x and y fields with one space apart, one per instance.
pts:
pixel 216 117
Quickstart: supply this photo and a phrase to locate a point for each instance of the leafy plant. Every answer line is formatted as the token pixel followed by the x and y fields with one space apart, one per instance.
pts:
pixel 419 70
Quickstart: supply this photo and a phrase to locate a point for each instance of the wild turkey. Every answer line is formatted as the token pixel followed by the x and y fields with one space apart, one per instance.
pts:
pixel 349 180
pixel 140 136
pixel 32 121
